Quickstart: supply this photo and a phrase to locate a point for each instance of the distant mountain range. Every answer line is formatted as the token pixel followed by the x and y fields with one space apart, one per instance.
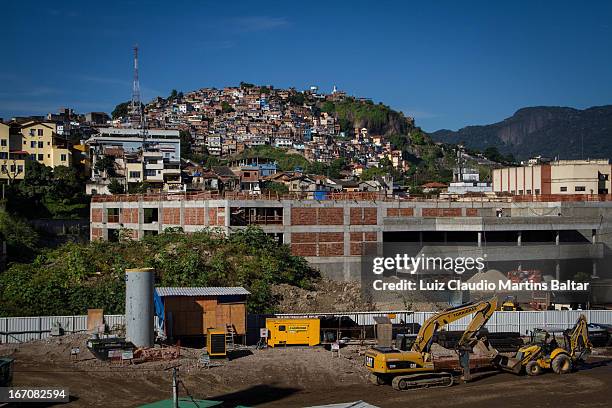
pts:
pixel 550 131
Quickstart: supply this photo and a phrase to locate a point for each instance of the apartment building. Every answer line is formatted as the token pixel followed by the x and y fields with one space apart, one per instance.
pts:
pixel 557 177
pixel 42 143
pixel 12 159
pixel 152 158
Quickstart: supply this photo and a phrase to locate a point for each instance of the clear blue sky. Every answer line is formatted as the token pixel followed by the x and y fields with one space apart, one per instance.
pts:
pixel 449 64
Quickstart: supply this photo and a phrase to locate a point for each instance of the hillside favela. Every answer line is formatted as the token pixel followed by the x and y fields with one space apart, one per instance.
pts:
pixel 221 220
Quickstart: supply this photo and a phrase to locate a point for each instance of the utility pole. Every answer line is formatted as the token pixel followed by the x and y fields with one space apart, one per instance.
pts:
pixel 175 391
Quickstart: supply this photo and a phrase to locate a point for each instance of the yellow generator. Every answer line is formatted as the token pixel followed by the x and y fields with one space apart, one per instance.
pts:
pixel 215 343
pixel 282 332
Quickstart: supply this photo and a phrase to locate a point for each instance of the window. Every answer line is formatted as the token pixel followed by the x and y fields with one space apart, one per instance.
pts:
pixel 537 191
pixel 3 168
pixel 512 192
pixel 20 169
pixel 528 191
pixel 580 188
pixel 563 189
pixel 32 157
pixel 150 172
pixel 134 174
pixel 3 142
pixel 40 132
pixel 41 145
pixel 63 157
pixel 41 157
pixel 3 155
pixel 32 132
pixel 13 168
pixel 281 328
pixel 33 144
pixel 113 214
pixel 520 192
pixel 150 215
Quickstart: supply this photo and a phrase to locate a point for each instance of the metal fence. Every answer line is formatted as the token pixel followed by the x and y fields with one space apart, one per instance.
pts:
pixel 22 329
pixel 500 321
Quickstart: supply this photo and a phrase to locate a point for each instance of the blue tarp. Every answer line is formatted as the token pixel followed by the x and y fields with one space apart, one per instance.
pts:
pixel 320 195
pixel 159 308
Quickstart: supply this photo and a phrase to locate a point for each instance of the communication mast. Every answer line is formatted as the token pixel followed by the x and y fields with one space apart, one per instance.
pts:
pixel 136 113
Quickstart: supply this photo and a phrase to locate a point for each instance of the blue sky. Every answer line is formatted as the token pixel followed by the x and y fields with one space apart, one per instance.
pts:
pixel 449 64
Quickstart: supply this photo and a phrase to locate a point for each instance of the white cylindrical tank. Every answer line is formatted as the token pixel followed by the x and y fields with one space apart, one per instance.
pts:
pixel 139 307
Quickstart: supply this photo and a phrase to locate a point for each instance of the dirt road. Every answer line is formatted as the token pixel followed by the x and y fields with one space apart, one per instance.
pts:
pixel 293 377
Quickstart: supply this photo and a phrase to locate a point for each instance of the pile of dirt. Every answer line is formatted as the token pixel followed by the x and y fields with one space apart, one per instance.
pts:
pixel 326 296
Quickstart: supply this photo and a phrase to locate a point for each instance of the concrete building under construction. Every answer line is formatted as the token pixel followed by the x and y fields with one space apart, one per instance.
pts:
pixel 334 234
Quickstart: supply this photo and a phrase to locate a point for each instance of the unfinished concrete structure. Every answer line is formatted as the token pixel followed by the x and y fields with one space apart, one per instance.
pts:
pixel 334 233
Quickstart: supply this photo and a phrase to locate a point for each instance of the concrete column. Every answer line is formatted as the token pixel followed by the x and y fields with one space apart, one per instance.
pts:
pixel 287 222
pixel 346 214
pixel 594 275
pixel 479 239
pixel 557 240
pixel 557 270
pixel 228 214
pixel 594 236
pixel 519 238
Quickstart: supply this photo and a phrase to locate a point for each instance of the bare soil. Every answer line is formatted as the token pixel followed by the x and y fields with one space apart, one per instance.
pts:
pixel 328 296
pixel 287 377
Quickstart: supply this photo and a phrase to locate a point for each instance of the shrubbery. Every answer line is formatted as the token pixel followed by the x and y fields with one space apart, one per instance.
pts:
pixel 74 277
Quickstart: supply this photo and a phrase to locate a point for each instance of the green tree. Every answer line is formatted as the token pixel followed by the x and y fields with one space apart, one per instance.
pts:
pixel 121 110
pixel 275 187
pixel 226 107
pixel 186 151
pixel 115 187
pixel 21 239
pixel 106 164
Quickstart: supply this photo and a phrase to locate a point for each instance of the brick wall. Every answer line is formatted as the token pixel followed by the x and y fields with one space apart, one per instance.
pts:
pixel 441 212
pixel 400 212
pixel 96 215
pixel 194 216
pixel 331 216
pixel 364 216
pixel 129 215
pixel 97 233
pixel 303 216
pixel 171 216
pixel 471 212
pixel 314 216
pixel 317 243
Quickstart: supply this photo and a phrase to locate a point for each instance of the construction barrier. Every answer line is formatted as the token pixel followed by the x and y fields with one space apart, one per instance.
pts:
pixel 23 329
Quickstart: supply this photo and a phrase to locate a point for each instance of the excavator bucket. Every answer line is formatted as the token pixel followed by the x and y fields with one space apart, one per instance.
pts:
pixel 509 364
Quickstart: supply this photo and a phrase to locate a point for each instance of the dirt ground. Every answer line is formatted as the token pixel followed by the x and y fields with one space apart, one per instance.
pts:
pixel 286 377
pixel 333 296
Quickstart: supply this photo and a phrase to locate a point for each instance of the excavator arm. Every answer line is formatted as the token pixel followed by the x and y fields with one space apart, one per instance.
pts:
pixel 483 313
pixel 579 338
pixel 483 309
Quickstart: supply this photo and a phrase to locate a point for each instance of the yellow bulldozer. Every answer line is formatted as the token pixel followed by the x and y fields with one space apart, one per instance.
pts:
pixel 543 353
pixel 416 368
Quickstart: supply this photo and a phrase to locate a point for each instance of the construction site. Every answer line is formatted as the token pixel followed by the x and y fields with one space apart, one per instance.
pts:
pixel 198 347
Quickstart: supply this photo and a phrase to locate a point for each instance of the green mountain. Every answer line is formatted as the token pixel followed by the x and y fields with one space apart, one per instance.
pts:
pixel 550 131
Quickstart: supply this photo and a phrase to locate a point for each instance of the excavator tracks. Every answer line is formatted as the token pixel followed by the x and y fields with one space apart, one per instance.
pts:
pixel 425 380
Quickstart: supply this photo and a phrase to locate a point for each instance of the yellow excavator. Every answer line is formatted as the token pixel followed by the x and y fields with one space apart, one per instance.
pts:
pixel 415 368
pixel 544 353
